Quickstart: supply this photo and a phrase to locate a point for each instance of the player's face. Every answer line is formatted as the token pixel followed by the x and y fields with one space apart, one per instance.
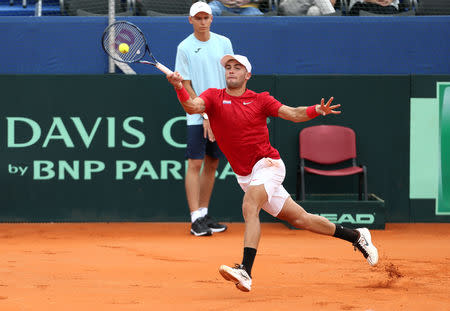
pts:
pixel 235 74
pixel 201 22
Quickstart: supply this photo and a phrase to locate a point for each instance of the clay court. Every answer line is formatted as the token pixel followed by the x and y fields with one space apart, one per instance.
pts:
pixel 159 266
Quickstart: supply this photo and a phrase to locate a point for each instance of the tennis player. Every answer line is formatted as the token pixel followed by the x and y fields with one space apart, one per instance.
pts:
pixel 238 119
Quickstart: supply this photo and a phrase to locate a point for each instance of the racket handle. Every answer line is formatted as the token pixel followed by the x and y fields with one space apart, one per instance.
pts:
pixel 163 68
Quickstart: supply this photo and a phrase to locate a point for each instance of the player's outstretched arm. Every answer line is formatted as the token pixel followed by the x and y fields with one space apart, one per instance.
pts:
pixel 191 106
pixel 301 114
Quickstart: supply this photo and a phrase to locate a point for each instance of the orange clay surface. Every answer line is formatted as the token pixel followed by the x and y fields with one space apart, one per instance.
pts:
pixel 159 266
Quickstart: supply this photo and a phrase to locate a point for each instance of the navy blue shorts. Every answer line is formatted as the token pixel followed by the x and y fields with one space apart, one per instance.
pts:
pixel 198 146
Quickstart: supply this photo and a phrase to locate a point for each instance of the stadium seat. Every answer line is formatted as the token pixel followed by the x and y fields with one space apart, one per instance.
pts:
pixel 161 8
pixel 433 7
pixel 329 150
pixel 81 12
pixel 404 13
pixel 88 7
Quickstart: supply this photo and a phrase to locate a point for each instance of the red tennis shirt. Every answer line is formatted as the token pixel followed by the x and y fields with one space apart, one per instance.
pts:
pixel 239 124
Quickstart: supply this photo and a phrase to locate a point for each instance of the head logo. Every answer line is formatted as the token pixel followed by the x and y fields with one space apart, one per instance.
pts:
pixel 349 218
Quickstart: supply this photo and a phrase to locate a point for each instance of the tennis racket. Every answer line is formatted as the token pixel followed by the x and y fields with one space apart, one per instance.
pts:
pixel 128 33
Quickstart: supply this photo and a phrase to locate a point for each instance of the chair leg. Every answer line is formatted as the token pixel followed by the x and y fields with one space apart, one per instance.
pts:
pixel 360 186
pixel 362 193
pixel 302 180
pixel 365 183
pixel 299 184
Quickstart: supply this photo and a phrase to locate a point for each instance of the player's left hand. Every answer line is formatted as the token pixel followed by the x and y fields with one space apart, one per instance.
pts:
pixel 325 109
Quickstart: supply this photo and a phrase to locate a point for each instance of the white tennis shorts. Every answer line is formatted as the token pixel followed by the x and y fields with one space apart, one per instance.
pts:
pixel 270 173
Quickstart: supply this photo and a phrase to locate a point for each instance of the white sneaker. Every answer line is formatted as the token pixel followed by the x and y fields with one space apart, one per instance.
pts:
pixel 238 276
pixel 365 246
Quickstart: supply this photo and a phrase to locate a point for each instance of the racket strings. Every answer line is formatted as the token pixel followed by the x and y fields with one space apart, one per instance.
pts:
pixel 122 32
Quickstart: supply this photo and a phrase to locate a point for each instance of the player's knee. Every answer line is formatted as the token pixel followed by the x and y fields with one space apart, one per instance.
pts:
pixel 211 164
pixel 195 165
pixel 249 211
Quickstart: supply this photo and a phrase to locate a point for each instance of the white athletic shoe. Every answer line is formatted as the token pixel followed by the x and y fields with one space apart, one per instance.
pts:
pixel 365 246
pixel 238 276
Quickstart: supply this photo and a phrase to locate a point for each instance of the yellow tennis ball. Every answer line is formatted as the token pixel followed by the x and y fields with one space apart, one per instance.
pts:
pixel 124 48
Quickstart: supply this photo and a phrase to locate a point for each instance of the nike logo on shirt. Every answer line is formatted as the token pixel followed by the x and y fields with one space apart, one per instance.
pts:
pixel 197 50
pixel 247 103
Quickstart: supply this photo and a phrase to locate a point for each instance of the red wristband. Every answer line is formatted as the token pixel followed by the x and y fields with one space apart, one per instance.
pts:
pixel 182 94
pixel 311 112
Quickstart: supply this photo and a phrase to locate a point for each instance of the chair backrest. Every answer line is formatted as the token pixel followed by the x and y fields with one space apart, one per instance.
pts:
pixel 327 144
pixel 180 7
pixel 94 7
pixel 433 7
pixel 404 13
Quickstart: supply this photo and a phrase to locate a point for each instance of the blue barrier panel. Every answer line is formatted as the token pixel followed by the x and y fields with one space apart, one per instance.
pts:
pixel 275 45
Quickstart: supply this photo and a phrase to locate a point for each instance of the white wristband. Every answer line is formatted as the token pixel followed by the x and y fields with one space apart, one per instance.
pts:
pixel 205 116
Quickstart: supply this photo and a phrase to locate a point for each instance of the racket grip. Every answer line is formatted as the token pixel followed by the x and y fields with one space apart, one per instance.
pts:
pixel 163 68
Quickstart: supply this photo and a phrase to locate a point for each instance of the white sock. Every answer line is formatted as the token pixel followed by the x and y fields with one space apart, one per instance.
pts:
pixel 195 215
pixel 204 211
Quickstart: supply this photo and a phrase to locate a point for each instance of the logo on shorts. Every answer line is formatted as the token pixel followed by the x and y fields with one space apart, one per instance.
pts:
pixel 226 102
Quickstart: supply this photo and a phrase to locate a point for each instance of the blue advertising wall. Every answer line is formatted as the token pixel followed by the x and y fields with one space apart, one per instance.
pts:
pixel 275 45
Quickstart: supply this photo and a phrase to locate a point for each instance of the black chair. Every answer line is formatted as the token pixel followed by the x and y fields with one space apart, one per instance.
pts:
pixel 404 13
pixel 92 7
pixel 81 12
pixel 163 8
pixel 433 7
